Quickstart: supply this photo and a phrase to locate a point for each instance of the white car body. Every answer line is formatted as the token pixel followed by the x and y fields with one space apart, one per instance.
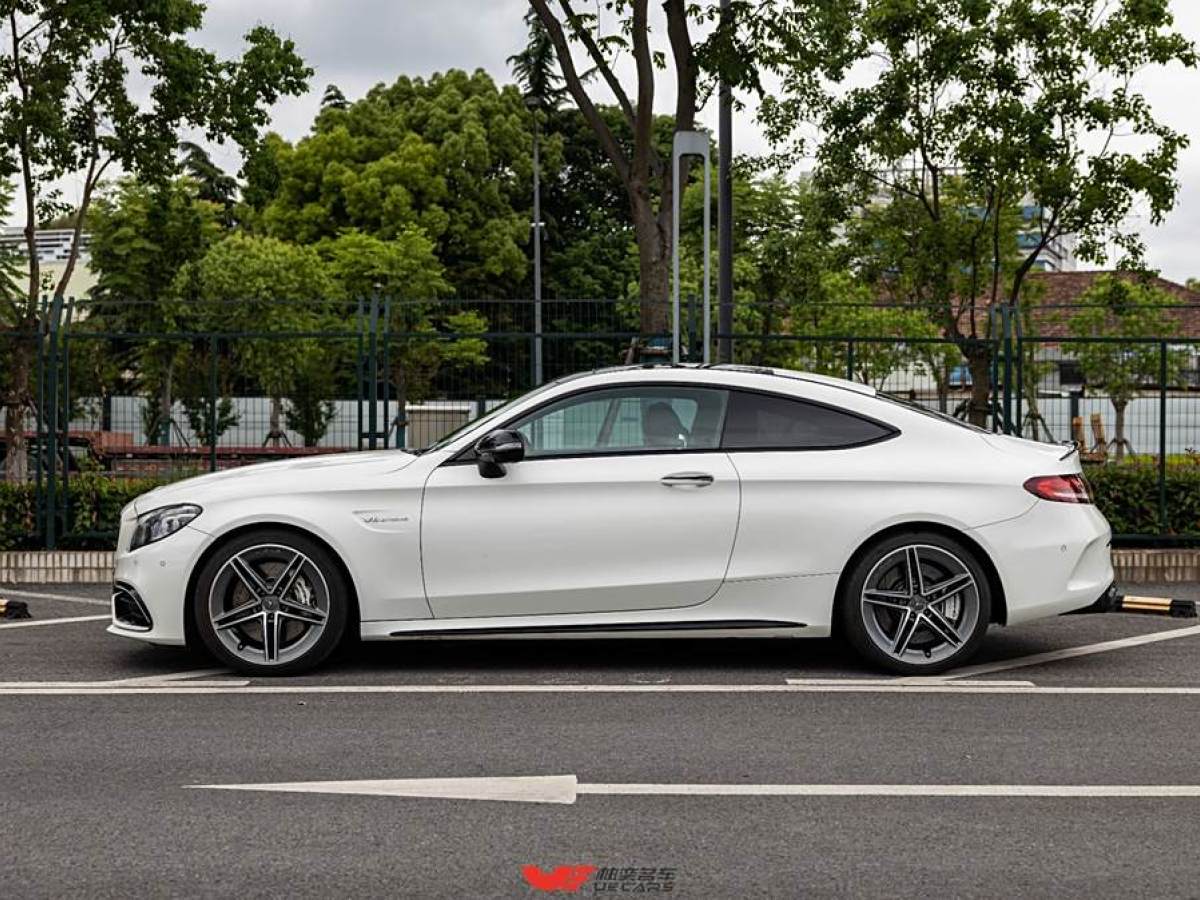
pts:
pixel 600 544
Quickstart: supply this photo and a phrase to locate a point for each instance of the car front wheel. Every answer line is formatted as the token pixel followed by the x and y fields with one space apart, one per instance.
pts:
pixel 271 602
pixel 916 604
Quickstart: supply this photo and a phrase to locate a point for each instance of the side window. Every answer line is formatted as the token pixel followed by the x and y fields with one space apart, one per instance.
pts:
pixel 763 421
pixel 626 420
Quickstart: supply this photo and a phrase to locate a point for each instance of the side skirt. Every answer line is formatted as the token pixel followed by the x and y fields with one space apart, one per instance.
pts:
pixel 617 628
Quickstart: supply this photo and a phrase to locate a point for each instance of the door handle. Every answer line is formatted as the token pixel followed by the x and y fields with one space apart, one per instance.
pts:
pixel 687 479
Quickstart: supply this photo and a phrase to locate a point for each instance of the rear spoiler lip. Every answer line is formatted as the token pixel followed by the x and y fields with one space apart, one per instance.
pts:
pixel 1074 448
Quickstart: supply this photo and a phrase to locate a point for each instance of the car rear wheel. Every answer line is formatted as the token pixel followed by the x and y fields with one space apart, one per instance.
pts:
pixel 916 604
pixel 271 602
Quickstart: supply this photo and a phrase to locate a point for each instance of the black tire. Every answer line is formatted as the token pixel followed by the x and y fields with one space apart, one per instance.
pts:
pixel 318 588
pixel 929 649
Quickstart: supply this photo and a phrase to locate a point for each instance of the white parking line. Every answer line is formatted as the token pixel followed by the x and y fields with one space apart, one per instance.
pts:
pixel 171 677
pixel 566 789
pixel 38 595
pixel 848 687
pixel 1038 659
pixel 35 622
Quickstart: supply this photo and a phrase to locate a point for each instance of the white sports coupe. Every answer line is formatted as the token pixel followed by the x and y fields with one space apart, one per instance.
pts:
pixel 665 500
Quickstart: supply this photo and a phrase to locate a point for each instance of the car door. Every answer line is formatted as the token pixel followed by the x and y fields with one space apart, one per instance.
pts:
pixel 623 501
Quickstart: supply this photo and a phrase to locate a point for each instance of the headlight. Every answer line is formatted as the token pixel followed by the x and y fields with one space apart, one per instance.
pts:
pixel 160 523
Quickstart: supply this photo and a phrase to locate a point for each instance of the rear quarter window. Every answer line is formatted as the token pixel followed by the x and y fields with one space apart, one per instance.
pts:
pixel 770 422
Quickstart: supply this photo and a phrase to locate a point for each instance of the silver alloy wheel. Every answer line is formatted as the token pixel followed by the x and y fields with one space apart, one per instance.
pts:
pixel 920 604
pixel 268 604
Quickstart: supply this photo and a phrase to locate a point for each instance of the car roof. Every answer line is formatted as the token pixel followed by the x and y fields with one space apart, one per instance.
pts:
pixel 766 372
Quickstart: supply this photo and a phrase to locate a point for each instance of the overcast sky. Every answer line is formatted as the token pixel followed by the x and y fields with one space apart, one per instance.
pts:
pixel 358 43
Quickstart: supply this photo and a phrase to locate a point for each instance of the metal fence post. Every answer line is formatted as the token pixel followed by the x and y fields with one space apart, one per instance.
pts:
pixel 1006 318
pixel 52 430
pixel 40 423
pixel 1162 437
pixel 65 416
pixel 373 375
pixel 361 385
pixel 387 374
pixel 849 360
pixel 212 403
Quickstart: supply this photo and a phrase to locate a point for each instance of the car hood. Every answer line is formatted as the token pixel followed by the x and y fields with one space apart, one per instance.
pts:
pixel 308 473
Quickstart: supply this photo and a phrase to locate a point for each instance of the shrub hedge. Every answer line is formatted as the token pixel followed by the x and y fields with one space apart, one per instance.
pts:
pixel 95 512
pixel 1127 494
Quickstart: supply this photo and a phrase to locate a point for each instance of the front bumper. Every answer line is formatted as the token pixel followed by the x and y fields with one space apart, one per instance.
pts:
pixel 1055 558
pixel 157 576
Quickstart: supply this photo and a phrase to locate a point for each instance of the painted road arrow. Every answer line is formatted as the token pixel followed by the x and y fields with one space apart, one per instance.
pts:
pixel 567 788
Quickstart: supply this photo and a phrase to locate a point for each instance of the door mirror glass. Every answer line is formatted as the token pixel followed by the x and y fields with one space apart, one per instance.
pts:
pixel 497 448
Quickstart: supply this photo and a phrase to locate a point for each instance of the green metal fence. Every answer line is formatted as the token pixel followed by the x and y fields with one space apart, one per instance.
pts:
pixel 115 411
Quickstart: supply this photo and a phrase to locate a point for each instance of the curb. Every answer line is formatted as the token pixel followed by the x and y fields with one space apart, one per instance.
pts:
pixel 1139 566
pixel 95 566
pixel 56 566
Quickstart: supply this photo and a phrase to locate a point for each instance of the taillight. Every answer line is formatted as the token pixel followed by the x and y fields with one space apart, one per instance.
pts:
pixel 1061 488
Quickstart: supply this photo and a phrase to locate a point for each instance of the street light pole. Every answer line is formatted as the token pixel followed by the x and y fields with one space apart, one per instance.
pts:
pixel 725 212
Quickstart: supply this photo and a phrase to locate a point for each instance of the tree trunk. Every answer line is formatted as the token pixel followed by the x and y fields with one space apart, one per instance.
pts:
pixel 1119 428
pixel 165 409
pixel 16 459
pixel 275 435
pixel 654 266
pixel 979 363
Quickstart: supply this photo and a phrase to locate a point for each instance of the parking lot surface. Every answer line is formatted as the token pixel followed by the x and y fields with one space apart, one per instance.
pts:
pixel 1063 760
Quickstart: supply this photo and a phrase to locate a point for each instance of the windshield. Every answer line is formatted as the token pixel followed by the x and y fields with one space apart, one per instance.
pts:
pixel 480 419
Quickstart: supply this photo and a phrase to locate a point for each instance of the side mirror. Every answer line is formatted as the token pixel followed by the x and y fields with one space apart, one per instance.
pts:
pixel 497 448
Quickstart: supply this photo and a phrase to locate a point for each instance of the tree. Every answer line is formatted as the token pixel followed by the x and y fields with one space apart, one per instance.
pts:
pixel 793 38
pixel 311 408
pixel 534 68
pixel 70 109
pixel 10 262
pixel 646 176
pixel 406 267
pixel 449 155
pixel 215 185
pixel 1128 308
pixel 261 285
pixel 142 236
pixel 979 108
pixel 333 98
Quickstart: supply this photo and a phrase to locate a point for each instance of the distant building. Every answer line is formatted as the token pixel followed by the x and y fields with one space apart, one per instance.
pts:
pixel 1056 256
pixel 53 250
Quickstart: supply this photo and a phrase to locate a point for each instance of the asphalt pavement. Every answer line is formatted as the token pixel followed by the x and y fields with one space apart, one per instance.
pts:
pixel 676 748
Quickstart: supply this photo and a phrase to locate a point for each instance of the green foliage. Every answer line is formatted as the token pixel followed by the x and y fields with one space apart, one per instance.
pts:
pixel 1128 495
pixel 403 266
pixel 536 67
pixel 95 504
pixel 448 156
pixel 10 263
pixel 1123 307
pixel 199 414
pixel 309 410
pixel 253 283
pixel 75 108
pixel 215 185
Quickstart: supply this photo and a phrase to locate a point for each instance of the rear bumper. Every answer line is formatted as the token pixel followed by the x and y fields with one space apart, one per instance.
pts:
pixel 1053 559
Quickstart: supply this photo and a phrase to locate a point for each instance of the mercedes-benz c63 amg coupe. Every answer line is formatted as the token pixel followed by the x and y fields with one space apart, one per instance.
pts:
pixel 668 500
